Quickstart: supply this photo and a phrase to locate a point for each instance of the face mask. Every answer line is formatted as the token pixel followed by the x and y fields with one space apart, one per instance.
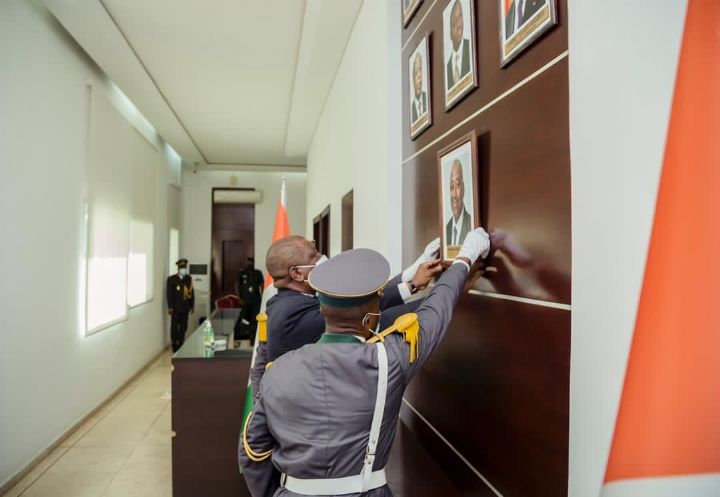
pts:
pixel 311 266
pixel 366 319
pixel 182 272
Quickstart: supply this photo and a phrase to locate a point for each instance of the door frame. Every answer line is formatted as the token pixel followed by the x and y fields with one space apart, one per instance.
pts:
pixel 211 295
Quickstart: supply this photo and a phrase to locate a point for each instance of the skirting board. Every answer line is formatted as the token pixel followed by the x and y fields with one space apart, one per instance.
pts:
pixel 32 464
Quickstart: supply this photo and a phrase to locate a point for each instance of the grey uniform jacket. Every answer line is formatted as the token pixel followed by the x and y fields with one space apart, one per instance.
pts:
pixel 315 404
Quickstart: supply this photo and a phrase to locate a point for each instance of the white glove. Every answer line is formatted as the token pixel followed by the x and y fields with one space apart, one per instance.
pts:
pixel 476 244
pixel 431 252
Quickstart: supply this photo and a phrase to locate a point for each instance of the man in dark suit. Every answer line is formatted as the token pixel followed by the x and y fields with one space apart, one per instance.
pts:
pixel 181 302
pixel 458 65
pixel 419 103
pixel 460 223
pixel 249 289
pixel 519 13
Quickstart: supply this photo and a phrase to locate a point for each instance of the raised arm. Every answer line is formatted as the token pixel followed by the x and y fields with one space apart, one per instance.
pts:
pixel 398 290
pixel 435 313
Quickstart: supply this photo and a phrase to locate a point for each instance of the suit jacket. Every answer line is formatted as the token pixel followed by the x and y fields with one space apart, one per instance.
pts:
pixel 531 7
pixel 413 111
pixel 180 293
pixel 464 65
pixel 250 283
pixel 464 229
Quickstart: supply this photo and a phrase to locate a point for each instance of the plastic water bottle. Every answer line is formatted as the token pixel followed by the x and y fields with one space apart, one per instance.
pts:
pixel 208 335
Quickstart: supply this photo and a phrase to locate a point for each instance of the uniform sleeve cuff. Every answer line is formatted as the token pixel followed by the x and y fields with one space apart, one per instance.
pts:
pixel 404 291
pixel 460 261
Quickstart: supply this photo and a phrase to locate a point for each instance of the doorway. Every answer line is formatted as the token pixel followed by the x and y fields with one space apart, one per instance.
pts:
pixel 347 221
pixel 321 231
pixel 233 241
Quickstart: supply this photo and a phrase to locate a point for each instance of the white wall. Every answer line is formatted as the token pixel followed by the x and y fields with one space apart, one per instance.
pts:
pixel 196 205
pixel 356 143
pixel 51 375
pixel 623 57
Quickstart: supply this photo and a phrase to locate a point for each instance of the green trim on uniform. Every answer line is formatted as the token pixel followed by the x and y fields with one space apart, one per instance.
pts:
pixel 338 338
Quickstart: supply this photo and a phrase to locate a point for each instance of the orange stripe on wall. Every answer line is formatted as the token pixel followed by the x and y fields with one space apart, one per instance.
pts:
pixel 669 417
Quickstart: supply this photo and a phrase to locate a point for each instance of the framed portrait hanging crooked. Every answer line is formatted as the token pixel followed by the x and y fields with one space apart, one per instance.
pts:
pixel 409 7
pixel 521 23
pixel 420 93
pixel 459 58
pixel 459 202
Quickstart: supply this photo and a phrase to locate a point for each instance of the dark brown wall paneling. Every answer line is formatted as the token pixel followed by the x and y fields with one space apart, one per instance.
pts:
pixel 498 386
pixel 497 389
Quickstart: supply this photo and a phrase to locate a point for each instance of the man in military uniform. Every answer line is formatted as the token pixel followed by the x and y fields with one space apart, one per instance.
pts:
pixel 326 414
pixel 181 302
pixel 293 315
pixel 249 288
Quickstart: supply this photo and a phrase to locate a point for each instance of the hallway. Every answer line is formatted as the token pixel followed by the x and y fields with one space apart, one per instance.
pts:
pixel 123 450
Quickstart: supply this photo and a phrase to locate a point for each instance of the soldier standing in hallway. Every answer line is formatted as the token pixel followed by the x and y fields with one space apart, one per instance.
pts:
pixel 325 415
pixel 181 302
pixel 249 289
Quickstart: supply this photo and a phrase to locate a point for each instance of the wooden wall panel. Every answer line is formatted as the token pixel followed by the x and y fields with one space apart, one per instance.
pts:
pixel 498 386
pixel 497 389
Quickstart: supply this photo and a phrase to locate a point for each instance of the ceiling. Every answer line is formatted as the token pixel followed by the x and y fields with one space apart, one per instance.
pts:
pixel 226 82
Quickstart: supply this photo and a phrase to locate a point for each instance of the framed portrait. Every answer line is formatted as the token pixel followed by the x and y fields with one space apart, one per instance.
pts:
pixel 459 202
pixel 409 7
pixel 459 60
pixel 420 92
pixel 521 23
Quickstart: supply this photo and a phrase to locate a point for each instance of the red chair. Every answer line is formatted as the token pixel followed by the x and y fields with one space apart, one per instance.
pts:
pixel 229 301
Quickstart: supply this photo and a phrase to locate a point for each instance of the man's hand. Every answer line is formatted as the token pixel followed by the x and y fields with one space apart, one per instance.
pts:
pixel 476 271
pixel 171 311
pixel 432 250
pixel 426 272
pixel 429 253
pixel 475 246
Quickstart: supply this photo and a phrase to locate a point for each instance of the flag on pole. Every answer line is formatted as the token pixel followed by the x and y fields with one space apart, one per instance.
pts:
pixel 282 226
pixel 282 229
pixel 667 434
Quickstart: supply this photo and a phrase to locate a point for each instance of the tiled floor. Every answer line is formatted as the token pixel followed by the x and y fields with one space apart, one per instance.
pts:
pixel 124 450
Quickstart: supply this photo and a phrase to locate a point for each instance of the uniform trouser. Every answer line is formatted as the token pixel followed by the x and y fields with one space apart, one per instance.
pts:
pixel 178 327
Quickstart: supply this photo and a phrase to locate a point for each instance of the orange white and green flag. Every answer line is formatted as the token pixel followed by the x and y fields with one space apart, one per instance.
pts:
pixel 667 434
pixel 282 229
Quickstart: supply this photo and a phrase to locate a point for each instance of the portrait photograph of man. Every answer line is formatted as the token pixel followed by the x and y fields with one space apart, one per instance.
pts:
pixel 521 23
pixel 458 202
pixel 420 99
pixel 409 7
pixel 459 50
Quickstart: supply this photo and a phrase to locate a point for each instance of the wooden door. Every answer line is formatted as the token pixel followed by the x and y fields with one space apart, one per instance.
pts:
pixel 233 241
pixel 347 221
pixel 321 231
